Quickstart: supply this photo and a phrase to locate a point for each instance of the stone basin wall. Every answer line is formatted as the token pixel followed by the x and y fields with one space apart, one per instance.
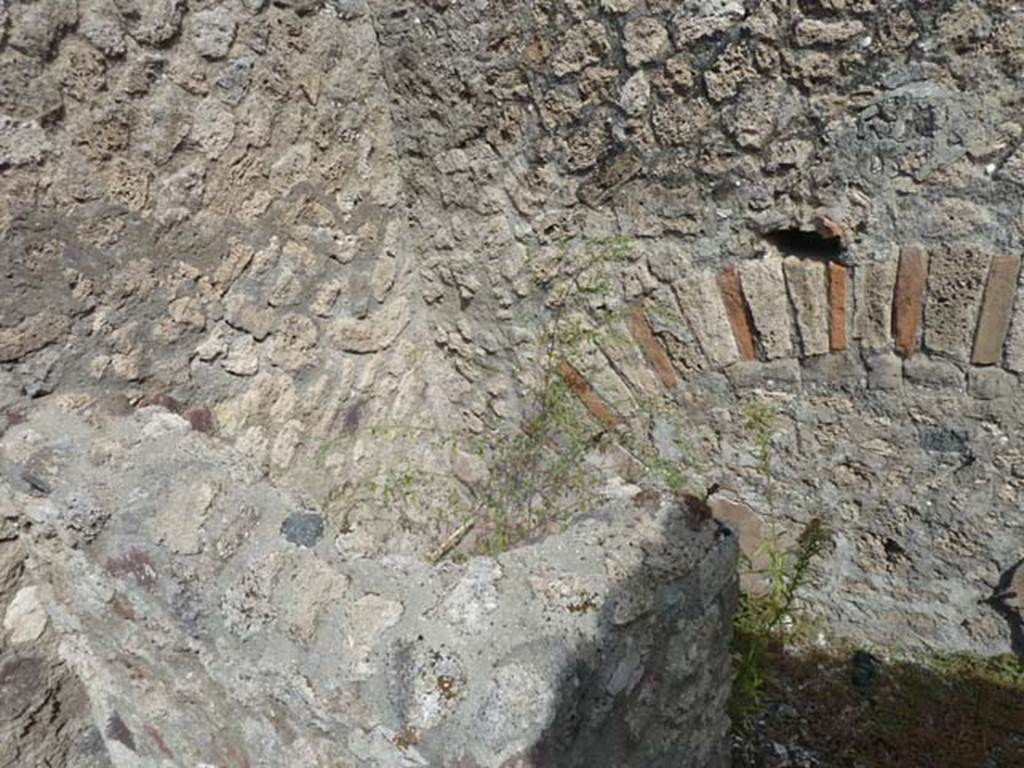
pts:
pixel 164 604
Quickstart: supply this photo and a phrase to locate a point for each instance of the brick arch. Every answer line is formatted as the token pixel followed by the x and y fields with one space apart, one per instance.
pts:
pixel 932 318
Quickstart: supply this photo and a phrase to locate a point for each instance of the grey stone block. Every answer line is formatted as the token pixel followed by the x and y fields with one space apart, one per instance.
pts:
pixel 885 371
pixel 748 374
pixel 839 368
pixel 991 383
pixel 934 373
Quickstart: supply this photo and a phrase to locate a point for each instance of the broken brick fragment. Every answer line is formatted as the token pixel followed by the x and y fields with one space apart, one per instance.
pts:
pixel 837 285
pixel 586 394
pixel 996 308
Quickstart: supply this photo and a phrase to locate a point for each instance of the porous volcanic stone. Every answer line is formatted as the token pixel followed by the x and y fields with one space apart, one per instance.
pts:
pixel 937 374
pixel 991 383
pixel 702 306
pixel 303 528
pixel 806 281
pixel 765 289
pixel 955 283
pixel 874 284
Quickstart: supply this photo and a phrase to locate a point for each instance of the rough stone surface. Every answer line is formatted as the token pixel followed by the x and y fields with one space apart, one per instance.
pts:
pixel 303 528
pixel 770 374
pixel 935 373
pixel 161 208
pixel 991 383
pixel 26 618
pixel 371 334
pixel 885 371
pixel 369 662
pixel 838 279
pixel 874 284
pixel 646 40
pixel 701 304
pixel 765 289
pixel 808 289
pixel 955 284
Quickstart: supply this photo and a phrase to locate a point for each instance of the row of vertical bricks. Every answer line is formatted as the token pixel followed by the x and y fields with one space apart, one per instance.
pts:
pixel 952 302
pixel 964 304
pixel 755 300
pixel 968 304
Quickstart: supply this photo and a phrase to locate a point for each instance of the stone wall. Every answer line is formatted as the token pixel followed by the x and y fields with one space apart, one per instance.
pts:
pixel 823 202
pixel 163 603
pixel 314 222
pixel 203 202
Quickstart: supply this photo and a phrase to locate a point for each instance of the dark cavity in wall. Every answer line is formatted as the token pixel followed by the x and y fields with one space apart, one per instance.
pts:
pixel 806 245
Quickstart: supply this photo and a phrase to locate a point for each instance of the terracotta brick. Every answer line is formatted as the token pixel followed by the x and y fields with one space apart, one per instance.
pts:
pixel 996 306
pixel 908 300
pixel 739 315
pixel 655 352
pixel 837 282
pixel 586 394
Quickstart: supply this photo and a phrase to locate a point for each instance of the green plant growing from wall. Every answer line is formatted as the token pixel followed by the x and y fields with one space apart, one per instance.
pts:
pixel 767 617
pixel 760 421
pixel 546 470
pixel 540 476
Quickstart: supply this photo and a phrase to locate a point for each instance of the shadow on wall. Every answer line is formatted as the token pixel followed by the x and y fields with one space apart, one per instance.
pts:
pixel 655 694
pixel 1008 601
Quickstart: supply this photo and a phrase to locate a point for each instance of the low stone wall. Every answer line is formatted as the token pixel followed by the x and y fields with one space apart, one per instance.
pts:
pixel 214 621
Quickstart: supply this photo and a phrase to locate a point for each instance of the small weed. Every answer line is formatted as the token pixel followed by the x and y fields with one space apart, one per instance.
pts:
pixel 548 469
pixel 766 619
pixel 759 419
pixel 769 617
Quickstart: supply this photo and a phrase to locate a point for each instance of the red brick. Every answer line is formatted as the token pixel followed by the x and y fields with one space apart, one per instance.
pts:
pixel 908 301
pixel 655 352
pixel 837 282
pixel 586 394
pixel 996 306
pixel 736 308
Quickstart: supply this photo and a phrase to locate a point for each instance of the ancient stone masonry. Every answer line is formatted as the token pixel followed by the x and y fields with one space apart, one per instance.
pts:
pixel 203 202
pixel 815 193
pixel 149 621
pixel 354 246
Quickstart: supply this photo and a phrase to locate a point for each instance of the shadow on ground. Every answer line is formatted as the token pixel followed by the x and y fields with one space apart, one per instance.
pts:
pixel 955 712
